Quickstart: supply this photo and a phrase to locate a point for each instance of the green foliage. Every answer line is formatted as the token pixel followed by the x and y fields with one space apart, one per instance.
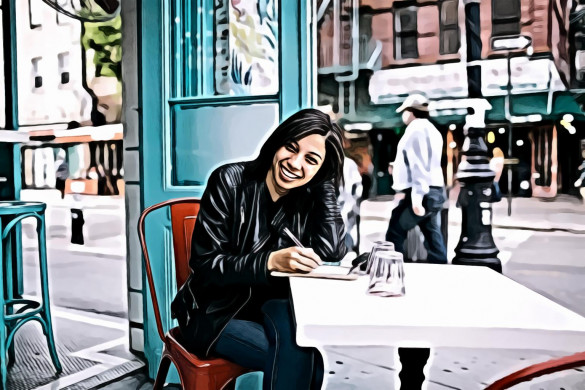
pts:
pixel 105 38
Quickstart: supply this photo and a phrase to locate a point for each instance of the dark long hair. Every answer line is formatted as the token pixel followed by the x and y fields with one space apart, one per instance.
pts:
pixel 299 125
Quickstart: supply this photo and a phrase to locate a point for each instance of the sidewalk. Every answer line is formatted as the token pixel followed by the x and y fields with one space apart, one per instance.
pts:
pixel 104 229
pixel 564 213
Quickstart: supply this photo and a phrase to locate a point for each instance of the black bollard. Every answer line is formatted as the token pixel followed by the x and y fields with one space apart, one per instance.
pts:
pixel 476 245
pixel 77 222
pixel 413 361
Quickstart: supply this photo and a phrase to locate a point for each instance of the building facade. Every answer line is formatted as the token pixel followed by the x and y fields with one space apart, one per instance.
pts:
pixel 525 71
pixel 49 66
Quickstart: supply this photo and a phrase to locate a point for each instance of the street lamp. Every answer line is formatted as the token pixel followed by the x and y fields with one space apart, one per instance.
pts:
pixel 476 245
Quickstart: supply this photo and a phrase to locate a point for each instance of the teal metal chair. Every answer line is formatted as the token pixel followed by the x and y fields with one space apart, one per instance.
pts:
pixel 15 311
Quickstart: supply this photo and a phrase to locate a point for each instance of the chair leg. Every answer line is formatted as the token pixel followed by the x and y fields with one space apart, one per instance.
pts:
pixel 161 375
pixel 3 335
pixel 11 355
pixel 3 365
pixel 46 312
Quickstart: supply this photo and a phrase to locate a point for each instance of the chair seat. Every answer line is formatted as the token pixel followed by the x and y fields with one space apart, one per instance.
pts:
pixel 176 350
pixel 195 373
pixel 15 207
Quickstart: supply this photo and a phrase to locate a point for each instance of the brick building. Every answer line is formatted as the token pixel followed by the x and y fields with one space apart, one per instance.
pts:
pixel 426 46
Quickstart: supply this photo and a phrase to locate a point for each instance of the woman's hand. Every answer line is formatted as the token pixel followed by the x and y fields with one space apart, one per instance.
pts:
pixel 293 259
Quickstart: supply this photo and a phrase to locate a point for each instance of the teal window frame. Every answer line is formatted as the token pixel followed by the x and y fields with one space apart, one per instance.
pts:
pixel 193 32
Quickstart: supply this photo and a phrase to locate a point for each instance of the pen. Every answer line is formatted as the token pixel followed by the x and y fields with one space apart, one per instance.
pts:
pixel 292 237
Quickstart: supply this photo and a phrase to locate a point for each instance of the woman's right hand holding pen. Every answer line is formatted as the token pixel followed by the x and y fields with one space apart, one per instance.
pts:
pixel 293 259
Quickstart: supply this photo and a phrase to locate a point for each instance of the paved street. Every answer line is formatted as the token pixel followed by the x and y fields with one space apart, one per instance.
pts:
pixel 541 246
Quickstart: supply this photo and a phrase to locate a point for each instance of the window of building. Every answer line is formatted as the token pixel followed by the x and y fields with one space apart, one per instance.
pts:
pixel 239 50
pixel 35 13
pixel 449 27
pixel 405 33
pixel 505 17
pixel 62 19
pixel 37 78
pixel 64 67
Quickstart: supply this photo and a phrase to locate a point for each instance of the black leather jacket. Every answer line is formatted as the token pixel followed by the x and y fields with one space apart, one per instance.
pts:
pixel 232 240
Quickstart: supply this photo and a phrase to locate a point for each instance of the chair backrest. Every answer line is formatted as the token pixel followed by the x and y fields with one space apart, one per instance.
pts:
pixel 534 371
pixel 183 216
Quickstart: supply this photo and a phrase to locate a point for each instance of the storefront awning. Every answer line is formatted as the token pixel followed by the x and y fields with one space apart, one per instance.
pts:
pixel 535 104
pixel 532 107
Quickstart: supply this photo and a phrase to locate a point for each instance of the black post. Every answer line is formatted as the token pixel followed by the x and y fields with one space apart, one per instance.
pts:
pixel 9 48
pixel 9 152
pixel 508 112
pixel 473 35
pixel 476 245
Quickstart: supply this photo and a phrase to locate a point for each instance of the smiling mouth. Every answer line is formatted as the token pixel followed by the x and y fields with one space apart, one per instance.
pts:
pixel 288 174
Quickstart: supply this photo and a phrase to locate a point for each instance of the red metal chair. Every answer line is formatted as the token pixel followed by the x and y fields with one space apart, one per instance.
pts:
pixel 536 370
pixel 195 373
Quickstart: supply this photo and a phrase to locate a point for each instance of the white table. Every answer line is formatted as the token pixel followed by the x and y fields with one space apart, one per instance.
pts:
pixel 444 305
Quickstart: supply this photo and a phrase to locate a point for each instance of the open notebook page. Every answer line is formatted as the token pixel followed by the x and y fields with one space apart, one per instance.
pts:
pixel 323 272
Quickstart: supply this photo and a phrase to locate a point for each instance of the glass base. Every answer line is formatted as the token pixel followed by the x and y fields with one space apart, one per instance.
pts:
pixel 384 290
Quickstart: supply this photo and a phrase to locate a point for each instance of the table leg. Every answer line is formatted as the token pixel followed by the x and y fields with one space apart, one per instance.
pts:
pixel 413 361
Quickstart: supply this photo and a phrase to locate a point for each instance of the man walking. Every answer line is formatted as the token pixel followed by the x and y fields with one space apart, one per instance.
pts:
pixel 417 173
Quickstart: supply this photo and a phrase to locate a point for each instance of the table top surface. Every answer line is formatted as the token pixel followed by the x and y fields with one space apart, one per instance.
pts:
pixel 444 305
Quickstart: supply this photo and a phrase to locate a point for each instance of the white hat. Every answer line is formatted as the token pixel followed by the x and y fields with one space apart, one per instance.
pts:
pixel 416 101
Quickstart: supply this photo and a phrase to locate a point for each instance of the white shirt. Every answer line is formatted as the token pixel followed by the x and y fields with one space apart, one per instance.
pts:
pixel 349 196
pixel 418 160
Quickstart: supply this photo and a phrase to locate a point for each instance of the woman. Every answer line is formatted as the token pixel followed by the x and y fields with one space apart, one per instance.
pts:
pixel 230 306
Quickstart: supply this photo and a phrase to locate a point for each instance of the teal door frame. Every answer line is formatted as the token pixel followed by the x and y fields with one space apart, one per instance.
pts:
pixel 10 172
pixel 296 90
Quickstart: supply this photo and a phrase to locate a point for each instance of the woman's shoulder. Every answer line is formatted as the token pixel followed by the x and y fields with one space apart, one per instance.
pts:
pixel 230 174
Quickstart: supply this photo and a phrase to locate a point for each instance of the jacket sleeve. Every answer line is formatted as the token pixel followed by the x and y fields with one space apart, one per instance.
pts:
pixel 325 227
pixel 212 259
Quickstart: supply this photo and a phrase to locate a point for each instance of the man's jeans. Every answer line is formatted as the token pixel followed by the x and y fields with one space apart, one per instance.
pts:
pixel 271 348
pixel 403 219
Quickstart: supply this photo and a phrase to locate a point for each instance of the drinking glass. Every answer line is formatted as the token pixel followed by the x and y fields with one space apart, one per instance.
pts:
pixel 387 274
pixel 378 246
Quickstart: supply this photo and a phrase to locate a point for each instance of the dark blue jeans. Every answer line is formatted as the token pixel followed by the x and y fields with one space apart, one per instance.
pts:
pixel 270 347
pixel 403 219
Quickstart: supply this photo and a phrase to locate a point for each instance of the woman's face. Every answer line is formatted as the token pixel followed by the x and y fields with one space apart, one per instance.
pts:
pixel 297 162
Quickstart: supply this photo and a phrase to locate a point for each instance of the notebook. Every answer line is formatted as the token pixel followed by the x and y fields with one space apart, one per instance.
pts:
pixel 322 272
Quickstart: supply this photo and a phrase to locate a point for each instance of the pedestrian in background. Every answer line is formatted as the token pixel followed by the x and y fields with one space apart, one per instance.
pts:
pixel 417 173
pixel 350 197
pixel 61 172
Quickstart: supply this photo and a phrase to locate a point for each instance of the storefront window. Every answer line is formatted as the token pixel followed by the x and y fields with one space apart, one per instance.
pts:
pixel 225 48
pixel 246 47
